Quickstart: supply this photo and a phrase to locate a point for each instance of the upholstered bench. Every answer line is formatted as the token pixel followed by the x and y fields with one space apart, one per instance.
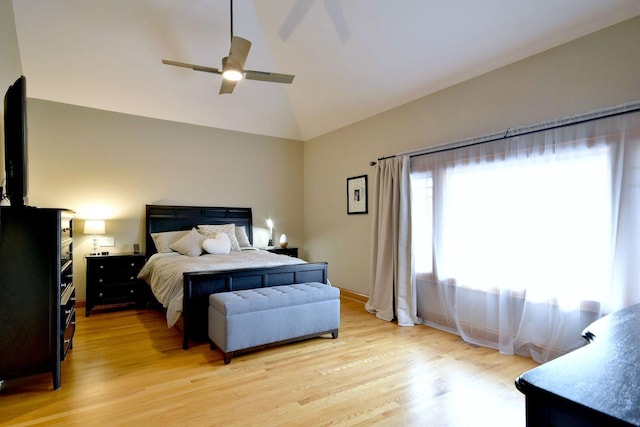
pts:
pixel 251 319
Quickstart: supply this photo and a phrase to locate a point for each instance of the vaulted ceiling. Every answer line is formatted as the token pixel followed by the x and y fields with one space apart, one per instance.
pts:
pixel 352 58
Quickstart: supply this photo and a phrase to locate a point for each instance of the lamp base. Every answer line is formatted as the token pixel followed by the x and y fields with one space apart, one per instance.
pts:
pixel 270 243
pixel 95 246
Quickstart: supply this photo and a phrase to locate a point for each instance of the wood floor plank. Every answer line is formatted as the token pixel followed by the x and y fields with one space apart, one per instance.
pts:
pixel 127 368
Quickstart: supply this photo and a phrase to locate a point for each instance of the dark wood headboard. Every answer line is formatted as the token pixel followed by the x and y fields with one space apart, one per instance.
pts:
pixel 161 218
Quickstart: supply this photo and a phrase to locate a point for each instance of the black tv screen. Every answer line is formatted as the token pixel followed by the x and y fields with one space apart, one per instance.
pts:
pixel 15 141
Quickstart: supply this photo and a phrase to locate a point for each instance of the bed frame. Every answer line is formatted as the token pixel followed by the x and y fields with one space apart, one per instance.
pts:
pixel 161 218
pixel 199 285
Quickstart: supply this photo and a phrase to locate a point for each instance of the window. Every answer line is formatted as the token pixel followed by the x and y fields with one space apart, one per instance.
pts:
pixel 538 225
pixel 422 221
pixel 521 243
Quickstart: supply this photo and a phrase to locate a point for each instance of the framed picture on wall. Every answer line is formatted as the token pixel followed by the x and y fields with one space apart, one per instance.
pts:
pixel 357 195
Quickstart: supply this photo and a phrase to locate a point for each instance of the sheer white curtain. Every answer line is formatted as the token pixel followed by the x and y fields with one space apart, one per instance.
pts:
pixel 519 244
pixel 392 289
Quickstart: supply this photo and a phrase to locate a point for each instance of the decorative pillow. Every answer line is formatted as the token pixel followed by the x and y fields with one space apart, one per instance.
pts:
pixel 164 239
pixel 190 244
pixel 228 229
pixel 219 245
pixel 241 235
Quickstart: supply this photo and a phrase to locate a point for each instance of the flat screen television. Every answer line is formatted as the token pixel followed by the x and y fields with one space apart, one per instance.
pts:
pixel 15 142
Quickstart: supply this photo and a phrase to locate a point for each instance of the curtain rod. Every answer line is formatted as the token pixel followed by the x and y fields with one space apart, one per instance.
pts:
pixel 523 130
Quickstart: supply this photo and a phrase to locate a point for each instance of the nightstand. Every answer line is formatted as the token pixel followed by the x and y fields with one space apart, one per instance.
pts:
pixel 284 251
pixel 112 280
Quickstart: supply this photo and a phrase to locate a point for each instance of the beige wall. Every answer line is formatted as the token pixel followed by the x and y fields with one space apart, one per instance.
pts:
pixel 110 165
pixel 10 66
pixel 599 70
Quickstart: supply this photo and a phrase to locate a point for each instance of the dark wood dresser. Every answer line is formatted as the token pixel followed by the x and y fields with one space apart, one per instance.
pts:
pixel 112 280
pixel 37 295
pixel 596 385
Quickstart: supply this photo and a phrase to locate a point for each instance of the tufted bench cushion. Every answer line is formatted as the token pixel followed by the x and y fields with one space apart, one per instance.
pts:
pixel 246 319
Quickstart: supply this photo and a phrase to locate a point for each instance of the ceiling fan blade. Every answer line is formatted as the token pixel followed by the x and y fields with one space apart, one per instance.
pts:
pixel 268 77
pixel 337 17
pixel 239 51
pixel 192 66
pixel 227 86
pixel 299 10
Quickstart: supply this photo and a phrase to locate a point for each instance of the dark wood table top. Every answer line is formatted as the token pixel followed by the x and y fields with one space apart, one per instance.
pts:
pixel 603 377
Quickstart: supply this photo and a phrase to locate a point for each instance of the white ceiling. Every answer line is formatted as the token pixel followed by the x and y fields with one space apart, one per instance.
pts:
pixel 351 58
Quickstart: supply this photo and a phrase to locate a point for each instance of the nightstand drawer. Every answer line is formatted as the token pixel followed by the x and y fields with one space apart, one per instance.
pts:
pixel 114 262
pixel 116 293
pixel 115 270
pixel 109 277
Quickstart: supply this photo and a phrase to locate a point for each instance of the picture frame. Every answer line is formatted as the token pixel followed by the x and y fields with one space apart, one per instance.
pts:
pixel 357 195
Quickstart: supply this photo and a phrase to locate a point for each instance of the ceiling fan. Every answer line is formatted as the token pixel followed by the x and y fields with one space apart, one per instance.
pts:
pixel 232 69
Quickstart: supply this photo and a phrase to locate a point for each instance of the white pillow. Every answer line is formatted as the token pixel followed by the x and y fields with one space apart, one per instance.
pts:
pixel 190 244
pixel 164 239
pixel 218 245
pixel 228 229
pixel 241 235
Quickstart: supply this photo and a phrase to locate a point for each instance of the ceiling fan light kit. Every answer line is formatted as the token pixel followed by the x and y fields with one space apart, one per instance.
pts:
pixel 230 71
pixel 233 65
pixel 231 74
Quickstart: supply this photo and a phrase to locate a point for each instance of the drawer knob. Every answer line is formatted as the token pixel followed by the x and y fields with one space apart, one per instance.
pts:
pixel 133 264
pixel 100 280
pixel 100 294
pixel 101 267
pixel 131 291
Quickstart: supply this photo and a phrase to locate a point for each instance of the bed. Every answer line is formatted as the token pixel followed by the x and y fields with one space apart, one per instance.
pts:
pixel 182 284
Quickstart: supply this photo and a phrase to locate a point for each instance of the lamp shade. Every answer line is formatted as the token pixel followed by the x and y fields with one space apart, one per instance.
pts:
pixel 94 226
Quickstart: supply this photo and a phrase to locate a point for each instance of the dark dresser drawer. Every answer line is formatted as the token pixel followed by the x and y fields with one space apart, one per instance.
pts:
pixel 67 320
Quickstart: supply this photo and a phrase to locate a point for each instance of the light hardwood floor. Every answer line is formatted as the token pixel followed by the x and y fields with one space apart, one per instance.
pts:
pixel 128 369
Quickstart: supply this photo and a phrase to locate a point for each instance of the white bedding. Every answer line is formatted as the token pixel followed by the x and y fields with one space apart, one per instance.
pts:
pixel 164 272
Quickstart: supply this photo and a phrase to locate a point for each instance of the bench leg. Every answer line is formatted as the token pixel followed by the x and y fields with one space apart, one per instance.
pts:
pixel 227 357
pixel 334 334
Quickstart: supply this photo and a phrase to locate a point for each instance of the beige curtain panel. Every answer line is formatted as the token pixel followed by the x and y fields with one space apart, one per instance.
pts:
pixel 392 289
